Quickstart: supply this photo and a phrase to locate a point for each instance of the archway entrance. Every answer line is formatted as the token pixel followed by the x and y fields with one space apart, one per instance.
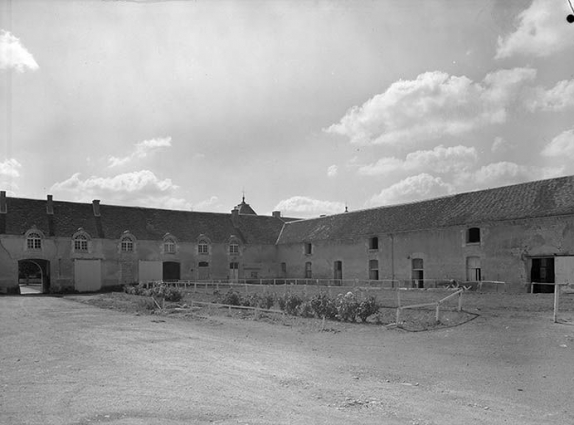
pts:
pixel 34 276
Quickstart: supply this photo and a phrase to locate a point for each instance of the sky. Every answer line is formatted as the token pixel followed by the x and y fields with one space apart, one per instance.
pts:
pixel 303 107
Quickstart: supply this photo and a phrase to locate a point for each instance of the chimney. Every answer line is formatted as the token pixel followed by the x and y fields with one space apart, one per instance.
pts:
pixel 235 216
pixel 3 206
pixel 276 214
pixel 50 206
pixel 96 205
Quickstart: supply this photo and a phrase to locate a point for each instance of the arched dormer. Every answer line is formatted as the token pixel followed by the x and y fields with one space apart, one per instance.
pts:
pixel 234 245
pixel 81 241
pixel 127 242
pixel 203 245
pixel 169 245
pixel 34 239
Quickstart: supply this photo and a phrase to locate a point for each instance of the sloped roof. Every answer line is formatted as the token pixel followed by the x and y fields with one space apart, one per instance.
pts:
pixel 245 209
pixel 535 199
pixel 143 223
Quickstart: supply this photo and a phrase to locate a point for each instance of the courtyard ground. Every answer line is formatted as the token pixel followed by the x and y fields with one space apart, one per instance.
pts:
pixel 65 361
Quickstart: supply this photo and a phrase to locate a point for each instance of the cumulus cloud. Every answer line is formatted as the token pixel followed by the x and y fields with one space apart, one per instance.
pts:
pixel 557 98
pixel 10 168
pixel 540 31
pixel 141 188
pixel 561 145
pixel 505 173
pixel 299 206
pixel 501 145
pixel 440 160
pixel 414 188
pixel 13 55
pixel 433 105
pixel 207 204
pixel 332 171
pixel 142 150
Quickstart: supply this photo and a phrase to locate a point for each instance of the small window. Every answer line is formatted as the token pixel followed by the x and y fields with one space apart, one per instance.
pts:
pixel 418 273
pixel 308 248
pixel 473 235
pixel 233 248
pixel 34 241
pixel 169 246
pixel 81 243
pixel 374 243
pixel 373 269
pixel 233 266
pixel 283 268
pixel 127 244
pixel 308 270
pixel 203 247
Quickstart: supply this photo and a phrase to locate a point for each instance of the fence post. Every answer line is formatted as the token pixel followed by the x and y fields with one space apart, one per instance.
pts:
pixel 556 301
pixel 460 300
pixel 398 316
pixel 437 315
pixel 195 287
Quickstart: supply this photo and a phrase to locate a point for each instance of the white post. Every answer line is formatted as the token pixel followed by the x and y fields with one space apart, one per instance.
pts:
pixel 437 315
pixel 460 300
pixel 556 301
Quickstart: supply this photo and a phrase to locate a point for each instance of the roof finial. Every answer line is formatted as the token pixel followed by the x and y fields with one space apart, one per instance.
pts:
pixel 346 208
pixel 243 198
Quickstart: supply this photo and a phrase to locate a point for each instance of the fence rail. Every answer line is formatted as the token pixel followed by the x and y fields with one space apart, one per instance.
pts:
pixel 436 305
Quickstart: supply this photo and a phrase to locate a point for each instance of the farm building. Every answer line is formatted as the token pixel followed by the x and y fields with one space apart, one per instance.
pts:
pixel 515 234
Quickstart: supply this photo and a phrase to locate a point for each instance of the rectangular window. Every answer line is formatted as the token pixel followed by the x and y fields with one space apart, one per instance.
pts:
pixel 202 248
pixel 169 248
pixel 34 243
pixel 233 266
pixel 308 248
pixel 373 269
pixel 374 243
pixel 127 245
pixel 233 248
pixel 308 271
pixel 418 273
pixel 80 245
pixel 473 235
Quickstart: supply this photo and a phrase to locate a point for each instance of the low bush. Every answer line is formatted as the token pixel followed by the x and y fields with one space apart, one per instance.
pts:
pixel 305 309
pixel 289 303
pixel 323 306
pixel 367 308
pixel 231 298
pixel 347 307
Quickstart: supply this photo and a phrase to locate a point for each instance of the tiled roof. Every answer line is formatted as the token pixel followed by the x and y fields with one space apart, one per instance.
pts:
pixel 535 199
pixel 143 223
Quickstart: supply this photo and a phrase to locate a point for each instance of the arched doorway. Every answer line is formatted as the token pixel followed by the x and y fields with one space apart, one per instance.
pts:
pixel 34 274
pixel 171 271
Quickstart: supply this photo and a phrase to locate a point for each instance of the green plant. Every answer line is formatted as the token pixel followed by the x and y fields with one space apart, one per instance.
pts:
pixel 347 307
pixel 231 298
pixel 323 306
pixel 367 308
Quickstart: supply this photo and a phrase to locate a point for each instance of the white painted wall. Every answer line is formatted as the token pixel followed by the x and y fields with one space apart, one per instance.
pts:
pixel 87 275
pixel 150 270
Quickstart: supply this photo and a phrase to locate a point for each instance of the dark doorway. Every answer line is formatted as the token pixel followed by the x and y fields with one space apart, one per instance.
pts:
pixel 542 271
pixel 171 271
pixel 338 270
pixel 34 274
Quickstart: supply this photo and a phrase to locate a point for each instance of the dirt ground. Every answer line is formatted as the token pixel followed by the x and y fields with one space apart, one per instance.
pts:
pixel 64 361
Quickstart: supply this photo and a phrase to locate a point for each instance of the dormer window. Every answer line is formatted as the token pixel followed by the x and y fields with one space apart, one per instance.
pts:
pixel 233 248
pixel 80 241
pixel 34 240
pixel 127 242
pixel 203 247
pixel 473 235
pixel 169 244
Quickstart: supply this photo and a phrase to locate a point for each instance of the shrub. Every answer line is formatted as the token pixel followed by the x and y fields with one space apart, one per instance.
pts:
pixel 367 308
pixel 231 298
pixel 289 303
pixel 266 301
pixel 347 307
pixel 305 309
pixel 323 306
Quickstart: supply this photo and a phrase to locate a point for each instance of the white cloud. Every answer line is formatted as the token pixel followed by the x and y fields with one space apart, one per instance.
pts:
pixel 13 55
pixel 332 171
pixel 207 204
pixel 561 145
pixel 140 188
pixel 557 98
pixel 299 206
pixel 501 145
pixel 142 150
pixel 440 160
pixel 433 105
pixel 414 188
pixel 541 31
pixel 10 167
pixel 505 173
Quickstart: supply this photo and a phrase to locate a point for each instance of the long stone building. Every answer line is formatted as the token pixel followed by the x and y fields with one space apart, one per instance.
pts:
pixel 515 234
